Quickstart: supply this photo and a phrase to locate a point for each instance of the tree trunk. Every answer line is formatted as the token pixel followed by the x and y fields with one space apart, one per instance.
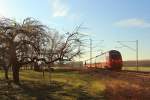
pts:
pixel 36 66
pixel 15 69
pixel 6 75
pixel 14 63
pixel 6 72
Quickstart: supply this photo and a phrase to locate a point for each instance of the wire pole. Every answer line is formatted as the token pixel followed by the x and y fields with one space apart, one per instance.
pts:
pixel 137 50
pixel 137 61
pixel 89 61
pixel 90 52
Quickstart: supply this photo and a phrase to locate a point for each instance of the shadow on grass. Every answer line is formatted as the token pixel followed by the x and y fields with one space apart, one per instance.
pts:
pixel 56 91
pixel 41 91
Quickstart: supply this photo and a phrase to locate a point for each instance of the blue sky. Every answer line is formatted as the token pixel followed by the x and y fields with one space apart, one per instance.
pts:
pixel 108 20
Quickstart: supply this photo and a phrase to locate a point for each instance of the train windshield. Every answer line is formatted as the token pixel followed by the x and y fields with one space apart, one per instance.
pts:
pixel 116 56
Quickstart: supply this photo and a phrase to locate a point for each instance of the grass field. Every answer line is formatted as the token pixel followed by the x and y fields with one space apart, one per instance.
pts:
pixel 91 85
pixel 57 86
pixel 140 68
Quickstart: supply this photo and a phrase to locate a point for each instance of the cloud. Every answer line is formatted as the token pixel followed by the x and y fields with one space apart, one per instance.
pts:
pixel 134 22
pixel 59 8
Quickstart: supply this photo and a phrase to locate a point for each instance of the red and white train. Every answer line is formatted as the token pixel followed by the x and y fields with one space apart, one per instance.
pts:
pixel 111 60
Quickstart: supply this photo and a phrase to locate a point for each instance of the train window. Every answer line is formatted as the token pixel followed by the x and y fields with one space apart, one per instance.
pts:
pixel 115 56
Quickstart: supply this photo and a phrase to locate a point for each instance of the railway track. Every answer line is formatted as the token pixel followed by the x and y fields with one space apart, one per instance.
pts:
pixel 122 72
pixel 140 72
pixel 136 73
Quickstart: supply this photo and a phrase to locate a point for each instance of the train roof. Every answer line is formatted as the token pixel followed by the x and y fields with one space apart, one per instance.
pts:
pixel 110 51
pixel 113 51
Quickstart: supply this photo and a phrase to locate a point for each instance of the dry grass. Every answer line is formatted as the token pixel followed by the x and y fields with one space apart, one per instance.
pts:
pixel 122 90
pixel 124 86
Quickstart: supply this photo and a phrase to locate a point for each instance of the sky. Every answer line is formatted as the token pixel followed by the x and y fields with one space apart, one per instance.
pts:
pixel 108 20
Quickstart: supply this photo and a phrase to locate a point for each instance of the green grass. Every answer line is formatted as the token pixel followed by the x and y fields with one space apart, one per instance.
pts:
pixel 140 68
pixel 57 86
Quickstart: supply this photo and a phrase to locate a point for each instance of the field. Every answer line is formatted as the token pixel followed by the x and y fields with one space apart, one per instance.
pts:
pixel 76 85
pixel 140 68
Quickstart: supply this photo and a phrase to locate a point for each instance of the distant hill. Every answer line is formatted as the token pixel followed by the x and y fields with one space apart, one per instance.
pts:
pixel 145 63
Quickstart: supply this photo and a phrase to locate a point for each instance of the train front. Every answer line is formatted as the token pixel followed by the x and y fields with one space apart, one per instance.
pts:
pixel 115 60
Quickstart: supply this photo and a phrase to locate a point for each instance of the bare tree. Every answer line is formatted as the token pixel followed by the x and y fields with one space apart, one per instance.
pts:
pixel 20 40
pixel 30 41
pixel 64 46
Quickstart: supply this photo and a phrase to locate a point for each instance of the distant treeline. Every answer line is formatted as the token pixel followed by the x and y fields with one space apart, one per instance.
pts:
pixel 145 63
